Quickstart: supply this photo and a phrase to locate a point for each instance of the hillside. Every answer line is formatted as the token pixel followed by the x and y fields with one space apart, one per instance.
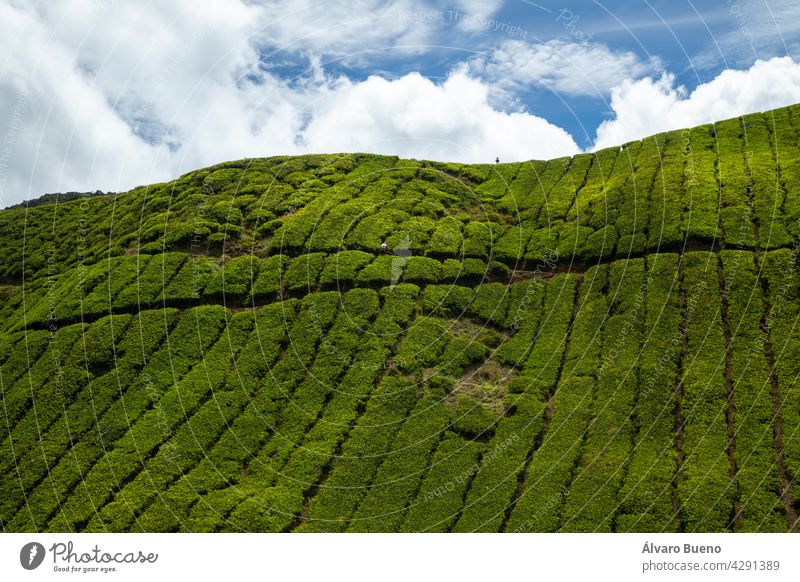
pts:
pixel 608 342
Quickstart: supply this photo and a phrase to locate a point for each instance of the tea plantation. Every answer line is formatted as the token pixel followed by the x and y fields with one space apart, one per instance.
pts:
pixel 608 343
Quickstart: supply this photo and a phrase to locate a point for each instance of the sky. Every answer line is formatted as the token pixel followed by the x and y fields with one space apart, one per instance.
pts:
pixel 111 94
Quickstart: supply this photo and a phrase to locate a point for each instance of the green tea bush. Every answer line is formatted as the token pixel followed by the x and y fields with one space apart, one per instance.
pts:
pixel 468 270
pixel 495 480
pixel 332 508
pixel 343 268
pixel 439 500
pixel 422 270
pixel 398 477
pixel 151 281
pixel 446 299
pixel 472 419
pixel 384 269
pixel 422 345
pixel 190 281
pixel 763 509
pixel 446 239
pixel 490 303
pixel 705 491
pixel 235 278
pixel 268 282
pixel 303 272
pixel 460 354
pixel 480 238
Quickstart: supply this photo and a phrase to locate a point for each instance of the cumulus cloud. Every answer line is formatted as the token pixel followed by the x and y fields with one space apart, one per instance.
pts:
pixel 60 132
pixel 112 95
pixel 648 106
pixel 102 105
pixel 422 119
pixel 560 66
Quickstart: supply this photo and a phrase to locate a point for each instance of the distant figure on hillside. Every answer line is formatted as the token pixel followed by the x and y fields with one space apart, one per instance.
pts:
pixel 384 247
pixel 497 160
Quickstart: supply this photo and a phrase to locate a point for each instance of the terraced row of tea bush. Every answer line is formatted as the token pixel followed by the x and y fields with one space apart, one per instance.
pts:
pixel 603 343
pixel 656 393
pixel 727 183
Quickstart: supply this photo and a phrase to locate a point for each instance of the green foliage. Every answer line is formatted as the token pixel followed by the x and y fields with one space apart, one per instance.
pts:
pixel 422 345
pixel 266 511
pixel 495 481
pixel 468 270
pixel 343 268
pixel 461 353
pixel 268 282
pixel 191 279
pixel 422 270
pixel 384 269
pixel 490 303
pixel 235 277
pixel 526 355
pixel 152 280
pixel 472 419
pixel 762 510
pixel 446 300
pixel 303 272
pixel 706 470
pixel 446 239
pixel 439 500
pixel 398 476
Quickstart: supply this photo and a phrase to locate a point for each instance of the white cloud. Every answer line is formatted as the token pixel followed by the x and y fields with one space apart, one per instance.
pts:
pixel 343 29
pixel 648 106
pixel 134 94
pixel 110 106
pixel 413 115
pixel 560 66
pixel 60 132
pixel 754 29
pixel 473 15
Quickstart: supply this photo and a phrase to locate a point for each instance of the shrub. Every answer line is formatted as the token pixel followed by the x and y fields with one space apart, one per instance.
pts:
pixel 706 471
pixel 413 233
pixel 460 354
pixel 384 269
pixel 303 272
pixel 398 477
pixel 363 452
pixel 472 418
pixel 480 239
pixel 495 481
pixel 151 281
pixel 190 281
pixel 268 282
pixel 422 345
pixel 270 510
pixel 468 270
pixel 446 239
pixel 343 267
pixel 440 497
pixel 490 303
pixel 542 245
pixel 235 277
pixel 422 270
pixel 123 270
pixel 372 230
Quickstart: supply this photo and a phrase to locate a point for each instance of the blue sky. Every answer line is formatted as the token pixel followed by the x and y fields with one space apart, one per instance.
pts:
pixel 109 94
